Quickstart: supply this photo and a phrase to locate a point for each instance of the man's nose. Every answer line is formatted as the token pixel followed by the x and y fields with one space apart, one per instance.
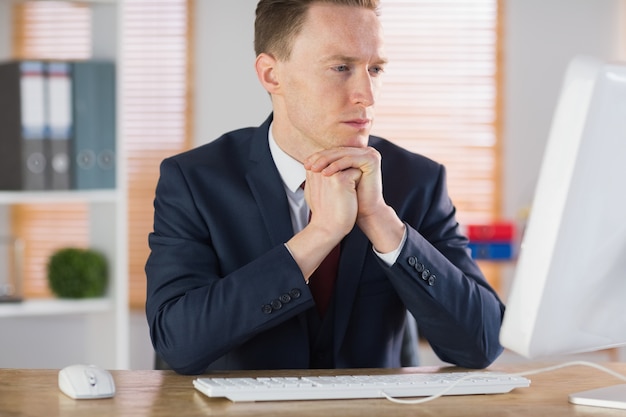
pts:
pixel 364 89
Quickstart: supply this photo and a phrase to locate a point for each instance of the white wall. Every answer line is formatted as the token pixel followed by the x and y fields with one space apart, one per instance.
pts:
pixel 541 37
pixel 105 32
pixel 228 95
pixel 5 29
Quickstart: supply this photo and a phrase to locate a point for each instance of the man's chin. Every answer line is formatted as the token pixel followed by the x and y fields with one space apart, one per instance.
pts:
pixel 357 142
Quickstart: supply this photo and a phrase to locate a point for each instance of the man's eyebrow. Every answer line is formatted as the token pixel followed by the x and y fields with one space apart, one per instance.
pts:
pixel 350 59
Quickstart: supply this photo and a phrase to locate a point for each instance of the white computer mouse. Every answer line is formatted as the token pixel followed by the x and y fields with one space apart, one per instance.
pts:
pixel 86 382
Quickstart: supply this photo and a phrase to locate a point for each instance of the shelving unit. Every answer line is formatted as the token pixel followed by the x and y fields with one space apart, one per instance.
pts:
pixel 52 307
pixel 81 331
pixel 52 197
pixel 53 333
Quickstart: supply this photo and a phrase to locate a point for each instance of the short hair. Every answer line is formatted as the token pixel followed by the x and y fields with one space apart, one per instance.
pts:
pixel 278 22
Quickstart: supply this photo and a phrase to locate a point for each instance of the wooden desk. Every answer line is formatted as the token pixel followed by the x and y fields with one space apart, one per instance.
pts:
pixel 164 393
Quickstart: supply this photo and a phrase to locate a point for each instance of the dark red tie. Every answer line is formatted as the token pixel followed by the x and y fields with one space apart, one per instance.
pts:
pixel 322 282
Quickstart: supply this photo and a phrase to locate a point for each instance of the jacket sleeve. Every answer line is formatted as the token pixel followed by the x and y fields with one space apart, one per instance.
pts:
pixel 455 308
pixel 196 314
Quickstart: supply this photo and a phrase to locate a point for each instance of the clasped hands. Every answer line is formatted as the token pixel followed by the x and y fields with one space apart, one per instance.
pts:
pixel 344 188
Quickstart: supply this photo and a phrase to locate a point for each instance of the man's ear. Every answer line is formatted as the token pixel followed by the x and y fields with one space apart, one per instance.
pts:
pixel 266 71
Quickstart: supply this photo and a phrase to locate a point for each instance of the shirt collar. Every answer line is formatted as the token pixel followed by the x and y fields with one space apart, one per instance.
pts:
pixel 291 171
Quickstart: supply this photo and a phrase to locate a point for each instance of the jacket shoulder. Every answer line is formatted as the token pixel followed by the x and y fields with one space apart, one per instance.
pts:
pixel 398 159
pixel 228 146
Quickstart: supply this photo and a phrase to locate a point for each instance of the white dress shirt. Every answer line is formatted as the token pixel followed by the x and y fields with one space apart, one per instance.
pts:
pixel 293 174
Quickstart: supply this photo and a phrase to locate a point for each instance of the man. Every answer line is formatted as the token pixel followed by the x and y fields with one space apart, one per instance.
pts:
pixel 233 249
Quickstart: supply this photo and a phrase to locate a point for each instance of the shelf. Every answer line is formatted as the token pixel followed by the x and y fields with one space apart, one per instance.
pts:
pixel 49 197
pixel 49 307
pixel 97 327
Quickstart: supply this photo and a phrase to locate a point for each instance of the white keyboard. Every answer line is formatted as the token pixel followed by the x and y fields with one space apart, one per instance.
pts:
pixel 358 386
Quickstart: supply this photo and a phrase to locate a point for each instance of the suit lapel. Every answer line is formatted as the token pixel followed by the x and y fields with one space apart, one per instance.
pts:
pixel 267 188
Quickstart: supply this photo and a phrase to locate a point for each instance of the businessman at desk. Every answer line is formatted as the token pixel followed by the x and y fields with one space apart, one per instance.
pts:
pixel 303 242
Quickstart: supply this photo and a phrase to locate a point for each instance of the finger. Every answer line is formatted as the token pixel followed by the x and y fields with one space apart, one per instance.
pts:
pixel 352 176
pixel 331 161
pixel 320 160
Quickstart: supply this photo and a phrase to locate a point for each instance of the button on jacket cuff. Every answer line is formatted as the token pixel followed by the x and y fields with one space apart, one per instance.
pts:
pixel 278 303
pixel 422 271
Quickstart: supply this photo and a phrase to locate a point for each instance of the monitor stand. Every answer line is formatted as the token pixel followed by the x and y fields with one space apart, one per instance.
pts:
pixel 610 397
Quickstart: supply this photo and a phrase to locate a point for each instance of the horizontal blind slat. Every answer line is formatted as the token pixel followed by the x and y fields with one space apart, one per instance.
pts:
pixel 440 90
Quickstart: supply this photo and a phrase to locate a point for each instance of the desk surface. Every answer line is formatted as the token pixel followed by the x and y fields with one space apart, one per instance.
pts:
pixel 164 393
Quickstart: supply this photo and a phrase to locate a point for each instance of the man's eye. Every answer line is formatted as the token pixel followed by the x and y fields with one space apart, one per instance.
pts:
pixel 342 68
pixel 377 70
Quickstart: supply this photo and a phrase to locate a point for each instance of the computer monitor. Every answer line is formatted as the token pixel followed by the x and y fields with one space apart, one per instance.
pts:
pixel 568 293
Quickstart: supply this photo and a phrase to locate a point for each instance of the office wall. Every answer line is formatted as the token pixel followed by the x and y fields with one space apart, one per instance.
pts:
pixel 541 37
pixel 227 93
pixel 5 29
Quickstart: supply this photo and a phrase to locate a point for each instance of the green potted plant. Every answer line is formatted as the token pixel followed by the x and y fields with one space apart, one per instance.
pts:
pixel 77 273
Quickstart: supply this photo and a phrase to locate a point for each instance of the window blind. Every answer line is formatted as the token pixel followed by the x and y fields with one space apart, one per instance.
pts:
pixel 440 95
pixel 52 30
pixel 157 112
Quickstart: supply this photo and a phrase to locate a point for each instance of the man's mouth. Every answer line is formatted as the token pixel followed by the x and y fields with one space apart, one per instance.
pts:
pixel 359 123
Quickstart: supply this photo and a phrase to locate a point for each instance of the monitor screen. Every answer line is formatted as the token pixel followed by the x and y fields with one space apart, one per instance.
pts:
pixel 568 293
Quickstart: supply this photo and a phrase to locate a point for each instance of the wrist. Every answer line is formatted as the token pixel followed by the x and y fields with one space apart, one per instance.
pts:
pixel 384 229
pixel 309 247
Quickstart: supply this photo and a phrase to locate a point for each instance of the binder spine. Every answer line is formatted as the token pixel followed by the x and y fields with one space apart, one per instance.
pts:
pixel 59 124
pixel 10 127
pixel 22 126
pixel 492 241
pixel 94 124
pixel 495 250
pixel 33 120
pixel 491 232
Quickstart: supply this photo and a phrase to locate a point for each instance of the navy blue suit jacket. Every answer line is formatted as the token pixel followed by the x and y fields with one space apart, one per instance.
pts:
pixel 223 292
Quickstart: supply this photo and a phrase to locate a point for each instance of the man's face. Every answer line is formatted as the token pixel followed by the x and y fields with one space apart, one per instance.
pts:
pixel 330 83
